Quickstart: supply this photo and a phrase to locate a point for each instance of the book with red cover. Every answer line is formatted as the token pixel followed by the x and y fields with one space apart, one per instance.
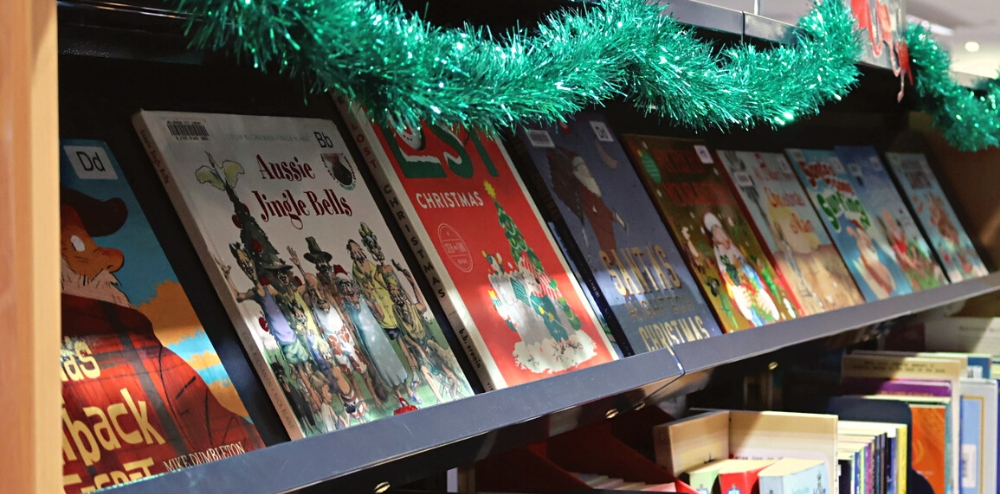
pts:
pixel 493 264
pixel 711 231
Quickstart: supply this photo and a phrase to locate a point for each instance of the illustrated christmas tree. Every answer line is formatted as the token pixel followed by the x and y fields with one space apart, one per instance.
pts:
pixel 260 249
pixel 519 248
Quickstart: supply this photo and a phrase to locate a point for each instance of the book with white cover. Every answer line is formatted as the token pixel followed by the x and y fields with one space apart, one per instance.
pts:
pixel 321 296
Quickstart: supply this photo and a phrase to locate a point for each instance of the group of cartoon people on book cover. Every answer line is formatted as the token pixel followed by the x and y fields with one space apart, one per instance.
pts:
pixel 348 342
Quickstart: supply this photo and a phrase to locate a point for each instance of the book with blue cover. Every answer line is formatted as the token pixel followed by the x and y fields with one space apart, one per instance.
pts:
pixel 874 186
pixel 593 197
pixel 864 248
pixel 795 476
pixel 937 218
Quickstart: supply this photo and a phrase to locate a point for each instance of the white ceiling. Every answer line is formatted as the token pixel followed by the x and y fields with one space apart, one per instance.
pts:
pixel 969 20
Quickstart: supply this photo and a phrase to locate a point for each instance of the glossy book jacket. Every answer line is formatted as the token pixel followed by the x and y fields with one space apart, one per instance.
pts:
pixel 794 236
pixel 627 250
pixel 944 231
pixel 721 247
pixel 874 186
pixel 298 250
pixel 495 267
pixel 862 245
pixel 144 391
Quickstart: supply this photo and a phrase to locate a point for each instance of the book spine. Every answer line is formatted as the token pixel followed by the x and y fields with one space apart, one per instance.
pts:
pixel 257 358
pixel 380 174
pixel 560 230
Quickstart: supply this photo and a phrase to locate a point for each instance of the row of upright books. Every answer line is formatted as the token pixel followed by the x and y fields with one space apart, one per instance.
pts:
pixel 540 265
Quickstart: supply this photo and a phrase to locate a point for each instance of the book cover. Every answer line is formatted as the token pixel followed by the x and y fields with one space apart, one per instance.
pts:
pixel 855 452
pixel 326 305
pixel 875 461
pixel 794 237
pixel 715 237
pixel 846 461
pixel 741 476
pixel 493 263
pixel 586 185
pixel 143 390
pixel 937 218
pixel 692 442
pixel 978 436
pixel 862 245
pixel 794 476
pixel 874 186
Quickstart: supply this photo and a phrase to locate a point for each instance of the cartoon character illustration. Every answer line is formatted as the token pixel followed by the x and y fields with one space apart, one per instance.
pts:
pixel 576 187
pixel 942 221
pixel 920 269
pixel 101 324
pixel 870 266
pixel 741 279
pixel 371 336
pixel 438 366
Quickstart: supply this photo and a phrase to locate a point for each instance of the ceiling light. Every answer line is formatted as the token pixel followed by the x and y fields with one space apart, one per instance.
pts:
pixel 972 47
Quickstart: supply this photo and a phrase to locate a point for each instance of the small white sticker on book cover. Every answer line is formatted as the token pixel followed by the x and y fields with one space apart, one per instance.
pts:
pixel 969 466
pixel 836 165
pixel 602 132
pixel 540 139
pixel 90 162
pixel 783 165
pixel 704 155
pixel 855 170
pixel 183 130
pixel 742 179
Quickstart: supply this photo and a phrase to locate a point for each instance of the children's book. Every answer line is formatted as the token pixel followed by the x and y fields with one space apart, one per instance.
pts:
pixel 491 260
pixel 596 202
pixel 143 390
pixel 874 186
pixel 327 308
pixel 853 228
pixel 937 218
pixel 978 436
pixel 721 248
pixel 794 237
pixel 741 476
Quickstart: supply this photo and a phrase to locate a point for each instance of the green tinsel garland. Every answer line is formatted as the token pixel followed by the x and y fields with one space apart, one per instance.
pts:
pixel 404 69
pixel 969 122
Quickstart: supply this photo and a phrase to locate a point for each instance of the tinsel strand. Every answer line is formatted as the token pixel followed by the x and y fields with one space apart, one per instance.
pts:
pixel 968 121
pixel 405 70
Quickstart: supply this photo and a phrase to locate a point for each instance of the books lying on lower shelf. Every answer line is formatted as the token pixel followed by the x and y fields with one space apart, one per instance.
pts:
pixel 326 305
pixel 143 390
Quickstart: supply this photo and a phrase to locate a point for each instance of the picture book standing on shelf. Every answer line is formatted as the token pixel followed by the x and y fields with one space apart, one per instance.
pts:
pixel 143 390
pixel 937 218
pixel 721 248
pixel 493 264
pixel 794 236
pixel 863 246
pixel 874 187
pixel 627 255
pixel 317 288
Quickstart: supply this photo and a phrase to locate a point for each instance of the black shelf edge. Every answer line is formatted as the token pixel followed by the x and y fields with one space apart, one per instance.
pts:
pixel 706 354
pixel 439 437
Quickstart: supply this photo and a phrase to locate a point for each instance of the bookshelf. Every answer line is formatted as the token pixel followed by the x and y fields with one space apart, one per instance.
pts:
pixel 366 458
